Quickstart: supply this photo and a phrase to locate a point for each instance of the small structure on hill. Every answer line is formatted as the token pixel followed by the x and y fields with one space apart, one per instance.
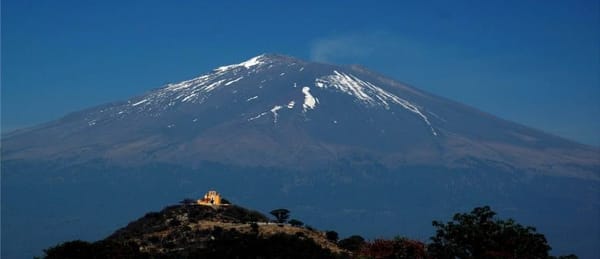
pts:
pixel 210 198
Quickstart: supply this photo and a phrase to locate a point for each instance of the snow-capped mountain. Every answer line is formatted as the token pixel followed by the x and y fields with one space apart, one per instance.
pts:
pixel 274 110
pixel 340 146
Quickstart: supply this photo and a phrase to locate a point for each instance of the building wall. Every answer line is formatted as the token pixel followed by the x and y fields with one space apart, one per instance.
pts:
pixel 210 195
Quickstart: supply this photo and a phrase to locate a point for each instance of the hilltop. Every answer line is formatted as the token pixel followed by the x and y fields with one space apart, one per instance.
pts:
pixel 193 230
pixel 196 231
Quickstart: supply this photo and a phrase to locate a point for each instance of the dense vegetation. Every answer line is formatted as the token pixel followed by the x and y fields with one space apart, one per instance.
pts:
pixel 477 234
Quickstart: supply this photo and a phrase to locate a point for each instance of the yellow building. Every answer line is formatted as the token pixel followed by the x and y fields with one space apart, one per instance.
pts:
pixel 210 198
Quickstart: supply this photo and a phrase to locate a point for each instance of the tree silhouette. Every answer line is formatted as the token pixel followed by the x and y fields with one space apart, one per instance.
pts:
pixel 281 215
pixel 479 235
pixel 352 243
pixel 332 236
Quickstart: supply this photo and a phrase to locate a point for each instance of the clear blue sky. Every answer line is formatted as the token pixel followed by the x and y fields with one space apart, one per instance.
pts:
pixel 533 62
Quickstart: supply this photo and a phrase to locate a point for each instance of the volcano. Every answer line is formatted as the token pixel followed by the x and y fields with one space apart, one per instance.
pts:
pixel 279 111
pixel 337 144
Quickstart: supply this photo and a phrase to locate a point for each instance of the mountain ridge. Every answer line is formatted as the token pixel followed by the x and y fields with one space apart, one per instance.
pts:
pixel 279 58
pixel 311 100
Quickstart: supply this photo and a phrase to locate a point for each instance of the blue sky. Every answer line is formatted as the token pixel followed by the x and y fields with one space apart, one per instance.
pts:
pixel 533 62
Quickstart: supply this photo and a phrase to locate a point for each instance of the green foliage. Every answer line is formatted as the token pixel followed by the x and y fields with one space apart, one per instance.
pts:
pixel 296 223
pixel 479 235
pixel 352 243
pixel 282 215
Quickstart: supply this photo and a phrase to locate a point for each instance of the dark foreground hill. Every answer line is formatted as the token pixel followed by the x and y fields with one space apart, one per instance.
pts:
pixel 197 231
pixel 194 231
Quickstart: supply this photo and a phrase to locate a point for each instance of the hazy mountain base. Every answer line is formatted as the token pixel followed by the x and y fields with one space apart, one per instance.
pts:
pixel 44 204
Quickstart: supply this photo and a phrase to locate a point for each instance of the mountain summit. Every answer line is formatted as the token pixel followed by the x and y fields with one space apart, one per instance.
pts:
pixel 342 146
pixel 279 111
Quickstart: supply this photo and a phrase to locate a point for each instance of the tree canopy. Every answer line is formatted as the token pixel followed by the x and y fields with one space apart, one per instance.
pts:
pixel 479 235
pixel 282 215
pixel 352 243
pixel 332 236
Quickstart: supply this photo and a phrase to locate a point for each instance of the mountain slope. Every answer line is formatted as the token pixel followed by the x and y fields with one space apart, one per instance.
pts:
pixel 279 111
pixel 334 143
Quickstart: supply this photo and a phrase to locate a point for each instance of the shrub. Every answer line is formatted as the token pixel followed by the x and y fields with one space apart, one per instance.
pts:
pixel 352 243
pixel 281 215
pixel 332 236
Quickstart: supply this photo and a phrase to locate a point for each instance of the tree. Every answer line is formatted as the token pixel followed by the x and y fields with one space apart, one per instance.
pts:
pixel 225 201
pixel 281 215
pixel 296 223
pixel 352 243
pixel 479 235
pixel 332 236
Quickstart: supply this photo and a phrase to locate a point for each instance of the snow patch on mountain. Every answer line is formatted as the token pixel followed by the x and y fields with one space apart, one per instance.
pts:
pixel 235 80
pixel 189 97
pixel 255 61
pixel 140 102
pixel 274 111
pixel 310 102
pixel 257 116
pixel 198 89
pixel 367 93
